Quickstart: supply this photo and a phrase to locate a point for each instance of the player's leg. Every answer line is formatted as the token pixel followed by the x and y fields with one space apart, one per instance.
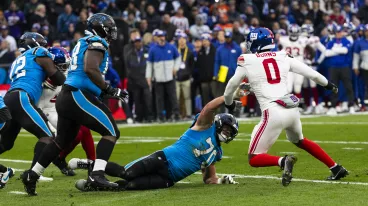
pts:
pixel 87 143
pixel 170 91
pixel 298 83
pixel 307 97
pixel 295 135
pixel 347 81
pixel 290 82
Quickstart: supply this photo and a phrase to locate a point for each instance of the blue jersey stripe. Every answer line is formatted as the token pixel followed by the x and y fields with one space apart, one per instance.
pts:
pixel 127 166
pixel 2 125
pixel 94 111
pixel 32 113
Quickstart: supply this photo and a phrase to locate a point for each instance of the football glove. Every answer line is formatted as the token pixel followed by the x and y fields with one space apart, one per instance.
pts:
pixel 235 106
pixel 227 179
pixel 115 93
pixel 244 89
pixel 331 86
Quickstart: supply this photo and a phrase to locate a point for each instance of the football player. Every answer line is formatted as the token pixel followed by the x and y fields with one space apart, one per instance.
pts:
pixel 47 101
pixel 294 44
pixel 198 148
pixel 312 45
pixel 267 73
pixel 5 172
pixel 78 103
pixel 27 74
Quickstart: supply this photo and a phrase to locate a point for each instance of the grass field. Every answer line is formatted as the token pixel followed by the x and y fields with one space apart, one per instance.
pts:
pixel 344 138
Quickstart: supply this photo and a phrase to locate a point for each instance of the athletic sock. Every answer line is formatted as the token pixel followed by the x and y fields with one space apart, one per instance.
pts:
pixel 265 160
pixel 316 151
pixel 3 168
pixel 115 170
pixel 39 169
pixel 315 95
pixel 306 94
pixel 37 152
pixel 103 150
pixel 87 143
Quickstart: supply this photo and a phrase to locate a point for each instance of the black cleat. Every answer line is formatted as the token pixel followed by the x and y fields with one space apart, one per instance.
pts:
pixel 122 184
pixel 63 167
pixel 68 172
pixel 290 160
pixel 338 172
pixel 29 179
pixel 97 182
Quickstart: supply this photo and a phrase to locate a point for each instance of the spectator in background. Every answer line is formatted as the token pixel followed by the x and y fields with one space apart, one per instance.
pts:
pixel 77 35
pixel 363 12
pixel 180 21
pixel 65 19
pixel 270 19
pixel 45 31
pixel 162 65
pixel 190 10
pixel 224 23
pixel 316 13
pixel 199 28
pixel 6 58
pixel 153 18
pixel 338 53
pixel 55 9
pixel 220 39
pixel 233 14
pixel 29 7
pixel 136 72
pixel 143 27
pixel 147 41
pixel 10 39
pixel 289 16
pixel 347 13
pixel 169 7
pixel 249 11
pixel 237 36
pixel 142 8
pixel 243 27
pixel 2 18
pixel 131 21
pixel 205 64
pixel 15 19
pixel 213 19
pixel 184 74
pixel 336 15
pixel 302 13
pixel 132 10
pixel 225 64
pixel 284 23
pixel 168 27
pixel 192 16
pixel 81 25
pixel 112 10
pixel 39 16
pixel 254 23
pixel 323 24
pixel 36 27
pixel 133 34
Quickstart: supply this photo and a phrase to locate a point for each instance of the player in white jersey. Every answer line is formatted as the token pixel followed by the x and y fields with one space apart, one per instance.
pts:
pixel 294 44
pixel 46 103
pixel 313 44
pixel 267 73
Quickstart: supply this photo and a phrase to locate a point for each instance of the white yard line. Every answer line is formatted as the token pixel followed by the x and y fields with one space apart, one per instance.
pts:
pixel 352 148
pixel 17 161
pixel 17 192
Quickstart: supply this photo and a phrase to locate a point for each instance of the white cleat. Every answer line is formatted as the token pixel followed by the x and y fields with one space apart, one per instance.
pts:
pixel 45 179
pixel 130 121
pixel 344 107
pixel 351 110
pixel 332 112
pixel 76 163
pixel 309 110
pixel 4 177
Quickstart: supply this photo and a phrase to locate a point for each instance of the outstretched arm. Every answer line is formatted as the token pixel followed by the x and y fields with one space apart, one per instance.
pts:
pixel 210 177
pixel 207 114
pixel 233 84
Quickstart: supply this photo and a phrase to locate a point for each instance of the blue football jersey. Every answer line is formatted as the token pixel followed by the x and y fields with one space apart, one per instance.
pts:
pixel 193 149
pixel 76 75
pixel 27 75
pixel 2 104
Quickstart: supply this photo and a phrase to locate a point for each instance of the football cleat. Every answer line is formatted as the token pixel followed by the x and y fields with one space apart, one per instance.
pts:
pixel 68 172
pixel 290 160
pixel 29 179
pixel 97 182
pixel 63 167
pixel 338 172
pixel 4 177
pixel 76 163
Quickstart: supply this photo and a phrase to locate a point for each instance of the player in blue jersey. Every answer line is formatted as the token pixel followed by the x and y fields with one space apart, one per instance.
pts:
pixel 5 172
pixel 198 148
pixel 79 103
pixel 27 74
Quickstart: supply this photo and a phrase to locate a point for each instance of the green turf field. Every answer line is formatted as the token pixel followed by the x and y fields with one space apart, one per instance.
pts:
pixel 344 138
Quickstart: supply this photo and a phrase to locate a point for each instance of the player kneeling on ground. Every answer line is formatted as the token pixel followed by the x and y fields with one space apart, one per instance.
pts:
pixel 199 147
pixel 5 172
pixel 267 73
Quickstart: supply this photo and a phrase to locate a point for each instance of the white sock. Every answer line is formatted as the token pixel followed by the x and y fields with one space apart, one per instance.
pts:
pixel 333 166
pixel 39 169
pixel 280 160
pixel 100 165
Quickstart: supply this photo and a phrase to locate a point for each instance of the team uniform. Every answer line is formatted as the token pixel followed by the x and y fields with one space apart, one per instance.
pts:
pixel 295 48
pixel 24 93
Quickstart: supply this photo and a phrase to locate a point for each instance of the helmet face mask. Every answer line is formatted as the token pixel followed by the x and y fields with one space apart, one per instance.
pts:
pixel 61 58
pixel 294 32
pixel 226 127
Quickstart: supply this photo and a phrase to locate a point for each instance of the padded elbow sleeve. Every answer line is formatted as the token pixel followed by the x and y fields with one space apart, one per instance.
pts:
pixel 58 78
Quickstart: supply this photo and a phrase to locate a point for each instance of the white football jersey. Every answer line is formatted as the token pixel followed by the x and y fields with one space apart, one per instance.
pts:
pixel 313 41
pixel 267 74
pixel 48 97
pixel 295 48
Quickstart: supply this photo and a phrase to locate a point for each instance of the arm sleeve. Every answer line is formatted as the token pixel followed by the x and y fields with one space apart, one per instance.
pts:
pixel 330 53
pixel 304 70
pixel 234 84
pixel 356 59
pixel 321 47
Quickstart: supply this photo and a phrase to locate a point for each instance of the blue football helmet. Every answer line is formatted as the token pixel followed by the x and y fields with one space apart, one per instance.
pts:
pixel 260 39
pixel 229 120
pixel 349 27
pixel 61 58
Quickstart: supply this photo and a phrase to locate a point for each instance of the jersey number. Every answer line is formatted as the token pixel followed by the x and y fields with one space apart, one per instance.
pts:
pixel 266 65
pixel 17 68
pixel 211 150
pixel 74 62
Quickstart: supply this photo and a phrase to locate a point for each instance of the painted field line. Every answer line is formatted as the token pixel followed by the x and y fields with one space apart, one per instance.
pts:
pixel 17 192
pixel 239 176
pixel 18 161
pixel 352 148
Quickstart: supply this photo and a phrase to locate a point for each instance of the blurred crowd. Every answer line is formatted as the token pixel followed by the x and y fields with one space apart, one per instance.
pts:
pixel 170 55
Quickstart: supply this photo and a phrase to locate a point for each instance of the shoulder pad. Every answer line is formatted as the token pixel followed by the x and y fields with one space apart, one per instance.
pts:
pixel 241 60
pixel 96 42
pixel 41 52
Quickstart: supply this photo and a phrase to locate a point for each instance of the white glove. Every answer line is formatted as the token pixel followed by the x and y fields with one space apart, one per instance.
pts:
pixel 227 179
pixel 242 90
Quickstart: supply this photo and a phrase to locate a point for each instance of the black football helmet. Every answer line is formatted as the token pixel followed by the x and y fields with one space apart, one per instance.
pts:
pixel 229 120
pixel 102 25
pixel 30 40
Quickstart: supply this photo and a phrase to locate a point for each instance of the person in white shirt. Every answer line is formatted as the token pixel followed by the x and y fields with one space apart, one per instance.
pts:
pixel 180 21
pixel 267 74
pixel 199 28
pixel 5 36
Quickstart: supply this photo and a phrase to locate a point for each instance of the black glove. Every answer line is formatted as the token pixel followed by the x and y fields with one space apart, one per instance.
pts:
pixel 231 107
pixel 4 115
pixel 115 93
pixel 331 86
